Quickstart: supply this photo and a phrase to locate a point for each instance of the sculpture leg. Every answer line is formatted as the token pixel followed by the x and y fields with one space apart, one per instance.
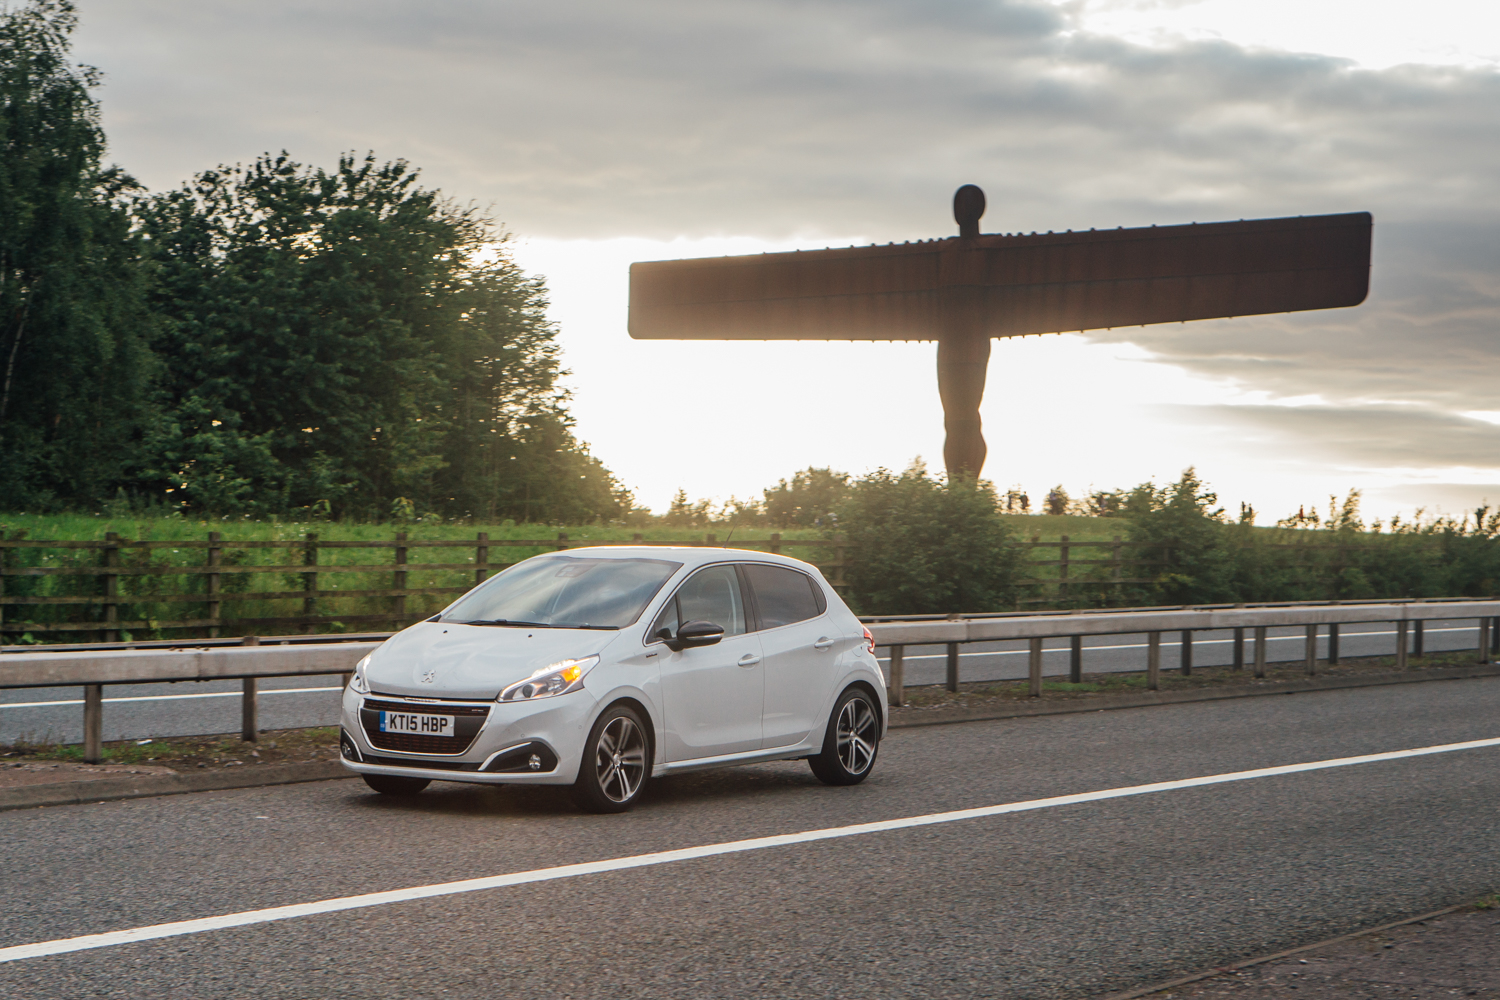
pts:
pixel 963 361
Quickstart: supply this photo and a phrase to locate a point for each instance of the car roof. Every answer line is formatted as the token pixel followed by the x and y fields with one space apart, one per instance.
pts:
pixel 691 557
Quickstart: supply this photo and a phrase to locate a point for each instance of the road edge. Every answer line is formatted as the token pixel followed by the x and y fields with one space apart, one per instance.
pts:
pixel 1198 977
pixel 940 717
pixel 67 793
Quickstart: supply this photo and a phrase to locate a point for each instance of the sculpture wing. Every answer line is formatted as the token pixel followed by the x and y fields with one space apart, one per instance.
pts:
pixel 1049 283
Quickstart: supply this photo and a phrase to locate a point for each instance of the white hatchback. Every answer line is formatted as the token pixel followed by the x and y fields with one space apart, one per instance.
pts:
pixel 601 667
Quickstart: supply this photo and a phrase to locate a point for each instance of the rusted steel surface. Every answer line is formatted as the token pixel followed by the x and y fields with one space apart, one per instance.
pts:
pixel 1007 286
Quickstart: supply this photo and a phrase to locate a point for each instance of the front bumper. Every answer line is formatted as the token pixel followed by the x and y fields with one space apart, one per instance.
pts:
pixel 551 729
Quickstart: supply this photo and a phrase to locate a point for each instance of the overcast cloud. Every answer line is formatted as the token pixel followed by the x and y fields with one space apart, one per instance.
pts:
pixel 790 120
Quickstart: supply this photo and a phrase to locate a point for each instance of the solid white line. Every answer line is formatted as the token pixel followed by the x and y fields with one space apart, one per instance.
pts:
pixel 167 697
pixel 275 913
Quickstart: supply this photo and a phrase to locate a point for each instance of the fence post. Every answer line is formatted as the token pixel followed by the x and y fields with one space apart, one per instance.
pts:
pixel 1484 640
pixel 398 604
pixel 1333 644
pixel 111 586
pixel 1075 659
pixel 1260 651
pixel 309 581
pixel 93 722
pixel 897 691
pixel 482 557
pixel 1310 650
pixel 838 564
pixel 1153 660
pixel 562 540
pixel 1401 663
pixel 1114 570
pixel 214 553
pixel 249 702
pixel 951 681
pixel 1062 569
pixel 1036 667
pixel 710 539
pixel 1418 645
pixel 1186 657
pixel 1239 649
pixel 775 543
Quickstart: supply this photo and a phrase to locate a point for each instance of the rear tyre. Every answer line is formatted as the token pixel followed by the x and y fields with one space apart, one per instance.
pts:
pixel 616 762
pixel 390 784
pixel 851 741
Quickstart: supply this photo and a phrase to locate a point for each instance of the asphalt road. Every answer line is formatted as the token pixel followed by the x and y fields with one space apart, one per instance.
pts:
pixel 1069 901
pixel 142 711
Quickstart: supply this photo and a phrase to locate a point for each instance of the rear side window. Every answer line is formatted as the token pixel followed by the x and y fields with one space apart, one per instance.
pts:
pixel 784 596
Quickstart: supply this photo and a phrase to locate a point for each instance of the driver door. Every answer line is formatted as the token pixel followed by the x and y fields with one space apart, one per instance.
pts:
pixel 712 695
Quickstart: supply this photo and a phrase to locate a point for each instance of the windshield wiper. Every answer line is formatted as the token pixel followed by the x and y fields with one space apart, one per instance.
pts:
pixel 506 622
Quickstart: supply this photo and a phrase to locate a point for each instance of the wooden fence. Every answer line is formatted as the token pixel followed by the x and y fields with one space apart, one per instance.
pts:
pixel 103 590
pixel 117 587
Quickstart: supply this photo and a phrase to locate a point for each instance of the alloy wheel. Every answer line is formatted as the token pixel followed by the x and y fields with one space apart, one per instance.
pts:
pixel 620 759
pixel 858 732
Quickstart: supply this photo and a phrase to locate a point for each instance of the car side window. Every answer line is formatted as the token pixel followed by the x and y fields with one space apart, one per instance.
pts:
pixel 711 594
pixel 784 596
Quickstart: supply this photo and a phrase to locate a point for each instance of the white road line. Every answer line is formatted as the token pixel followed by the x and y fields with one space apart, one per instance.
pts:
pixel 276 913
pixel 167 697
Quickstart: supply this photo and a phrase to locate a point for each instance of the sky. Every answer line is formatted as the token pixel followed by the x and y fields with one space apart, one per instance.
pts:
pixel 600 133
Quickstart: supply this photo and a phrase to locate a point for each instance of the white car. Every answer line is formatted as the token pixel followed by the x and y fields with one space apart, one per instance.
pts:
pixel 601 667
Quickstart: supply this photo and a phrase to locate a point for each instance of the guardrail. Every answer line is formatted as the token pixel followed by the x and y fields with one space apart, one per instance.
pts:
pixel 249 659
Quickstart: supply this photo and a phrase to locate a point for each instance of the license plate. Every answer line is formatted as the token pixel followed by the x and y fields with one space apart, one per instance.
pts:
pixel 419 725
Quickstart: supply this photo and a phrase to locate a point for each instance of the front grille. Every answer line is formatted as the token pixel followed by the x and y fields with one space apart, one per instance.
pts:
pixel 468 719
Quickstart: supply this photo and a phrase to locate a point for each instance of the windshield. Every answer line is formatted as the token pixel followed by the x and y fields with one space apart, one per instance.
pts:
pixel 565 592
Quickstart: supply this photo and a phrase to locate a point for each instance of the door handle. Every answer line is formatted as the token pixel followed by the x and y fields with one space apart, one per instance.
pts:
pixel 823 643
pixel 749 660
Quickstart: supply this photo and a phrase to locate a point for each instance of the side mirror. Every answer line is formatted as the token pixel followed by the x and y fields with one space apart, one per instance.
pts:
pixel 696 633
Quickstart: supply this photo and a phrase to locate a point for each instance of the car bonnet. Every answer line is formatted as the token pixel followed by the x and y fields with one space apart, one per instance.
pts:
pixel 449 660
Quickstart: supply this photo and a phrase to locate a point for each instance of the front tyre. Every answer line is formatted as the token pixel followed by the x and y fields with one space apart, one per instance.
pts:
pixel 851 741
pixel 390 784
pixel 616 762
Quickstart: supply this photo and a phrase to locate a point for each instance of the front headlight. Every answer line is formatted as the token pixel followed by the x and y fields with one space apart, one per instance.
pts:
pixel 358 684
pixel 553 679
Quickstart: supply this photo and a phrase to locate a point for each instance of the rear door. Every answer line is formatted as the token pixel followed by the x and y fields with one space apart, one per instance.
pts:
pixel 713 695
pixel 800 645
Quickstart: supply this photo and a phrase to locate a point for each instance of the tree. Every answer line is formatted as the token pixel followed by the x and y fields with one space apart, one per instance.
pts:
pixel 808 499
pixel 1179 526
pixel 345 338
pixel 917 545
pixel 76 363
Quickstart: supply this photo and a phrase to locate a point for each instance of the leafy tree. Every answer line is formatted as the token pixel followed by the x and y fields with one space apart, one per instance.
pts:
pixel 1180 526
pixel 347 338
pixel 808 499
pixel 75 353
pixel 917 545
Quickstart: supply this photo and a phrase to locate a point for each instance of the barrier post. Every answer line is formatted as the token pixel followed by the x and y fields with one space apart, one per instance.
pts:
pixel 249 701
pixel 1036 668
pixel 1333 645
pixel 1401 662
pixel 1239 649
pixel 1186 658
pixel 93 722
pixel 896 693
pixel 1260 651
pixel 1153 660
pixel 1484 640
pixel 1419 642
pixel 1310 651
pixel 1075 659
pixel 951 681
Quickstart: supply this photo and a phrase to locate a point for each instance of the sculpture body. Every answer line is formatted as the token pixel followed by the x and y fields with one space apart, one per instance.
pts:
pixel 965 290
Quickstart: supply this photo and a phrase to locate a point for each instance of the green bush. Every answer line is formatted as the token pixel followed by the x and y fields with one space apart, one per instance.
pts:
pixel 918 545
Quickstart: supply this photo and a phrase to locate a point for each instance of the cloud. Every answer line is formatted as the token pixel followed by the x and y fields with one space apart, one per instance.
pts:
pixel 1372 437
pixel 772 118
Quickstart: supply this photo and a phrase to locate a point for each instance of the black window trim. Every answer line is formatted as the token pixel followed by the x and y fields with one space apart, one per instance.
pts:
pixel 753 600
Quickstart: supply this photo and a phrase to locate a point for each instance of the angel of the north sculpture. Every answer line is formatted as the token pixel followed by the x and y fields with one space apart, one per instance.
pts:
pixel 963 290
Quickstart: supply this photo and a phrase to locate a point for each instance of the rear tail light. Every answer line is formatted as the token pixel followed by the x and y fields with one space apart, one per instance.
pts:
pixel 870 641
